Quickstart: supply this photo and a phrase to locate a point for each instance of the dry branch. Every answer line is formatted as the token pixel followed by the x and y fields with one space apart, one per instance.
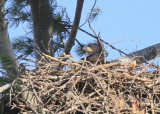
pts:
pixel 74 30
pixel 5 87
pixel 90 89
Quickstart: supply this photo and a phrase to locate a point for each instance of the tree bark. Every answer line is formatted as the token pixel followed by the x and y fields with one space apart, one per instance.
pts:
pixel 74 30
pixel 7 57
pixel 43 27
pixel 142 55
pixel 146 54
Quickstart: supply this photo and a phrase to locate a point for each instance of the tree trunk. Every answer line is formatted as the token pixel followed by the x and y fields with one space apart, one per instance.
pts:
pixel 6 52
pixel 43 28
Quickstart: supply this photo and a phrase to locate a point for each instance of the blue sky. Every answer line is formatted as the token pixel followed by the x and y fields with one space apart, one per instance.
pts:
pixel 129 25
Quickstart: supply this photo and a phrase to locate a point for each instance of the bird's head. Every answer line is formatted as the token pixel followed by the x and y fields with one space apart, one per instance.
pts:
pixel 92 48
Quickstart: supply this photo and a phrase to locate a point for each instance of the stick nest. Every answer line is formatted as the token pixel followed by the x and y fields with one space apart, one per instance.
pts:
pixel 85 88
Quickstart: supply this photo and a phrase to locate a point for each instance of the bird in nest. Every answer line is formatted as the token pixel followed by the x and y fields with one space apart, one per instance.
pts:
pixel 95 53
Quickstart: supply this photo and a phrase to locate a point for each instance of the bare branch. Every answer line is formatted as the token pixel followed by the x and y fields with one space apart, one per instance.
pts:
pixel 146 54
pixel 5 87
pixel 89 13
pixel 74 30
pixel 103 41
pixel 100 39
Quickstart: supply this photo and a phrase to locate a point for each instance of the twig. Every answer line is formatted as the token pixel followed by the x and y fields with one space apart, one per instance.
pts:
pixel 62 62
pixel 132 78
pixel 89 13
pixel 100 39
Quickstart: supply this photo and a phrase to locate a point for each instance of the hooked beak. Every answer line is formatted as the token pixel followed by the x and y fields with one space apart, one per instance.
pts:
pixel 87 49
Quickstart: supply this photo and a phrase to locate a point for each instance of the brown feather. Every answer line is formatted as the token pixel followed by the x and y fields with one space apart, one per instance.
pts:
pixel 96 55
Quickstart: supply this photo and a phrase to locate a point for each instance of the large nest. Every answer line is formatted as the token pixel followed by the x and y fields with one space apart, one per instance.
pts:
pixel 85 88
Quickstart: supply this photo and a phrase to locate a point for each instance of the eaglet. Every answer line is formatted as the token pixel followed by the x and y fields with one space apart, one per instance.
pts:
pixel 95 53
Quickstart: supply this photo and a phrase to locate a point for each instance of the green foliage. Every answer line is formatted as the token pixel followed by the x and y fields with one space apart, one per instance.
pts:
pixel 7 61
pixel 60 21
pixel 61 31
pixel 18 11
pixel 3 81
pixel 59 24
pixel 23 45
pixel 17 88
pixel 9 65
pixel 79 50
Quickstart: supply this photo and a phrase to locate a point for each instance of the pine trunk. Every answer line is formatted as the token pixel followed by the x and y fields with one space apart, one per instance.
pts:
pixel 43 28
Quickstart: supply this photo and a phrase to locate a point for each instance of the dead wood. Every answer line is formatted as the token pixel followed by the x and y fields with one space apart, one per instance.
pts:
pixel 86 88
